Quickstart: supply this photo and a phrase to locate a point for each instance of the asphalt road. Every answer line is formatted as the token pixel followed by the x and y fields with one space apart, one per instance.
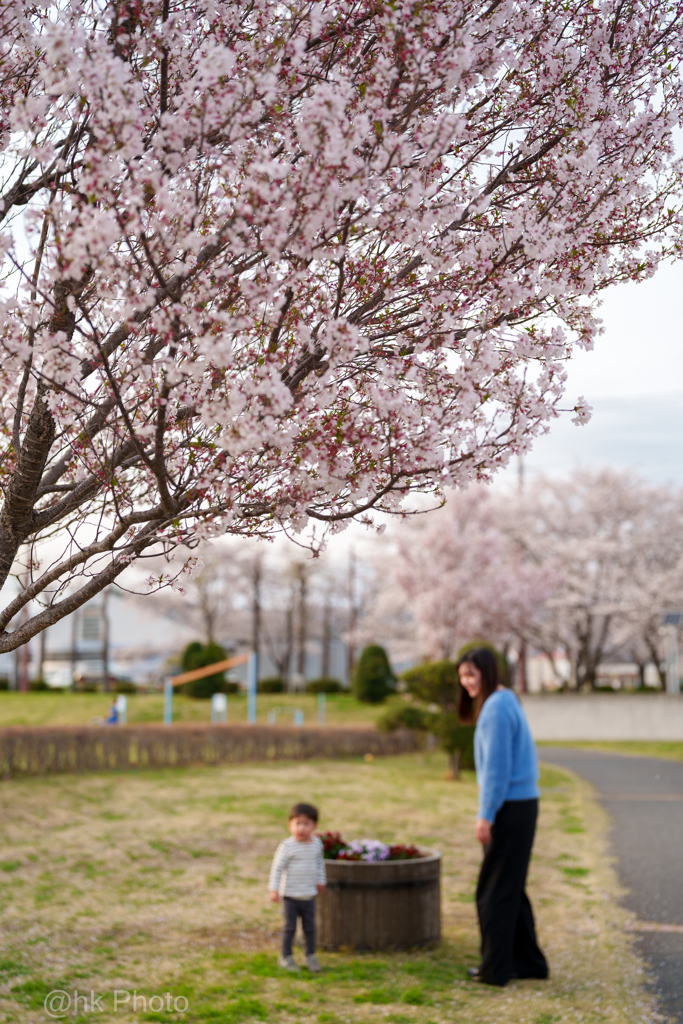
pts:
pixel 644 797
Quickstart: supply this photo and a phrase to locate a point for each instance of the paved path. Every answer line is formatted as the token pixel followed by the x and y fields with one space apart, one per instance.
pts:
pixel 644 796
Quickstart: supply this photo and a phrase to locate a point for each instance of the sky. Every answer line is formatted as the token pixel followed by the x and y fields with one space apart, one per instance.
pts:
pixel 634 380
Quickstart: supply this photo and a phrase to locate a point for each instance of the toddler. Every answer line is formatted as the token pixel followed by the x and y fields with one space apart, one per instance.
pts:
pixel 297 875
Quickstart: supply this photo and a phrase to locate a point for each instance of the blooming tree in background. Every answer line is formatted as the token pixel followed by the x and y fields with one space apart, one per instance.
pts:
pixel 461 578
pixel 615 545
pixel 274 263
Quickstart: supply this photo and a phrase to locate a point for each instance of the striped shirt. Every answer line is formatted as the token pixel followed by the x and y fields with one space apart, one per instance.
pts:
pixel 297 868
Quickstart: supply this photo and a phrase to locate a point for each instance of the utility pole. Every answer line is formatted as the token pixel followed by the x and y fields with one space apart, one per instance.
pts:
pixel 302 624
pixel 256 580
pixel 327 626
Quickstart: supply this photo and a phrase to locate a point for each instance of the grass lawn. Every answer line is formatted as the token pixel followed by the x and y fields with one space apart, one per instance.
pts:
pixel 80 708
pixel 670 751
pixel 155 883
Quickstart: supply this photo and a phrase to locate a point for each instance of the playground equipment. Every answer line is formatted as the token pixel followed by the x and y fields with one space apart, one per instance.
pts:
pixel 209 670
pixel 219 708
pixel 121 709
pixel 296 713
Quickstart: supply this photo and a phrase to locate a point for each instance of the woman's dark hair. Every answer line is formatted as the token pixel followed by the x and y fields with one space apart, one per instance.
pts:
pixel 468 709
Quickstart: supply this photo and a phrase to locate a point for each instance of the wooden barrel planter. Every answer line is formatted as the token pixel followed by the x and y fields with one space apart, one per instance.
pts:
pixel 381 904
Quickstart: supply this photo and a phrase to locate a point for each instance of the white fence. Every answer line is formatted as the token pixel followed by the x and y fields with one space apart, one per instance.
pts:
pixel 605 716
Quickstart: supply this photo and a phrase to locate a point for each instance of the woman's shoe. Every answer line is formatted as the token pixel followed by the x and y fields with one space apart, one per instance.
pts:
pixel 474 973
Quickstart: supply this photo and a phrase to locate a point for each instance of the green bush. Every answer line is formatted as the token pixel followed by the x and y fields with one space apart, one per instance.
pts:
pixel 197 655
pixel 373 679
pixel 272 684
pixel 503 667
pixel 38 686
pixel 455 739
pixel 410 716
pixel 434 682
pixel 323 685
pixel 4 683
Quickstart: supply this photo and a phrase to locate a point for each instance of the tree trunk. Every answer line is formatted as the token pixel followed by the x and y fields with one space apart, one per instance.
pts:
pixel 74 644
pixel 325 666
pixel 256 611
pixel 302 626
pixel 454 764
pixel 105 639
pixel 521 662
pixel 42 654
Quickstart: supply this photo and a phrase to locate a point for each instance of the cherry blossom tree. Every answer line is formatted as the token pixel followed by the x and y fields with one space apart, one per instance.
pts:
pixel 460 578
pixel 615 545
pixel 269 264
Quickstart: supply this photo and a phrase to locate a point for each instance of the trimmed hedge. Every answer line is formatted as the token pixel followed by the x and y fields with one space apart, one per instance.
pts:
pixel 272 684
pixel 44 750
pixel 323 685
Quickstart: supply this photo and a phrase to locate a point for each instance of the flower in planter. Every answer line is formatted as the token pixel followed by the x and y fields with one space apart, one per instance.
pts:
pixel 370 850
pixel 365 849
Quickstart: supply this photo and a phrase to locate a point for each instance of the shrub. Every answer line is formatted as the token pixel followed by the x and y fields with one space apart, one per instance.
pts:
pixel 503 667
pixel 272 684
pixel 198 655
pixel 456 739
pixel 408 717
pixel 38 686
pixel 373 679
pixel 434 682
pixel 4 683
pixel 323 685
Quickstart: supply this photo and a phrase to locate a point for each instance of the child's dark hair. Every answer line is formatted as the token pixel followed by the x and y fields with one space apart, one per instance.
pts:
pixel 304 811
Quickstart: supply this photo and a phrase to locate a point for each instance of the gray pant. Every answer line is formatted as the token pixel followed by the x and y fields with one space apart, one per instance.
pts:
pixel 291 909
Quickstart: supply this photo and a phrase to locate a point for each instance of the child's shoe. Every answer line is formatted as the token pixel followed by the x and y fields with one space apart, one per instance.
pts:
pixel 312 964
pixel 288 962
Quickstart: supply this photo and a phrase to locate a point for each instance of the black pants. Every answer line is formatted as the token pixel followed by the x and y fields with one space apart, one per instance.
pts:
pixel 291 909
pixel 508 936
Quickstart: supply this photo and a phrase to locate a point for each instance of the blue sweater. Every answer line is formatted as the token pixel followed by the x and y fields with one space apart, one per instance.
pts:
pixel 504 754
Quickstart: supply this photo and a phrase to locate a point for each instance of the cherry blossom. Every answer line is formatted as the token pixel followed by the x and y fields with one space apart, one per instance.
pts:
pixel 615 546
pixel 457 577
pixel 270 265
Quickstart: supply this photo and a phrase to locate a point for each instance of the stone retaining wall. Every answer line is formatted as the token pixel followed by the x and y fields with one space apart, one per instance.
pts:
pixel 605 716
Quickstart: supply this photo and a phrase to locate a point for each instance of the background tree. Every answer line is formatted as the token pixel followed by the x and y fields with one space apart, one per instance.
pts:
pixel 615 545
pixel 373 679
pixel 272 264
pixel 198 655
pixel 458 575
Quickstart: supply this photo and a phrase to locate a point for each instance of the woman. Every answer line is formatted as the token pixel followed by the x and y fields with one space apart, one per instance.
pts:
pixel 507 774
